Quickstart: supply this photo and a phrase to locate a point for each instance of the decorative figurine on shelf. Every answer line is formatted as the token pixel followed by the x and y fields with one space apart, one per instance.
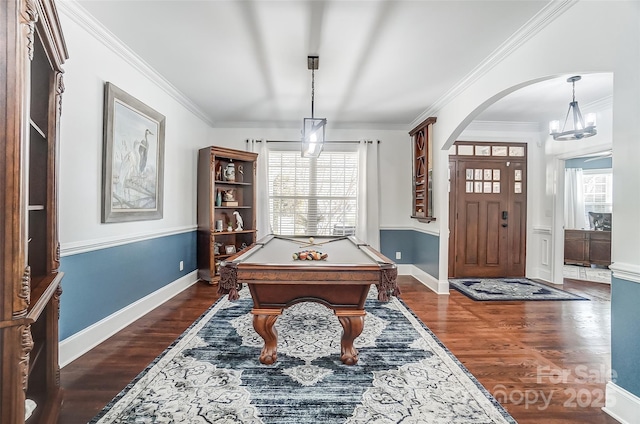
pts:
pixel 230 171
pixel 219 225
pixel 218 171
pixel 219 198
pixel 243 246
pixel 229 195
pixel 240 175
pixel 239 221
pixel 216 248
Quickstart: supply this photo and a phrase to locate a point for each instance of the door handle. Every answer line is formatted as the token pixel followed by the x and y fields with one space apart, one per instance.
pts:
pixel 505 215
pixel 504 225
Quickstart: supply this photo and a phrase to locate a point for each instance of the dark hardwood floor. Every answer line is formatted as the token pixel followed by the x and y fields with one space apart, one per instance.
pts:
pixel 544 361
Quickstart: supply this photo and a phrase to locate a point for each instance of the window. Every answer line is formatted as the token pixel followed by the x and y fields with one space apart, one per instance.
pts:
pixel 598 191
pixel 313 196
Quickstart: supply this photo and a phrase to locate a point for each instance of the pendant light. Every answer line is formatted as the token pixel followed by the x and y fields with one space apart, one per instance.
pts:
pixel 313 128
pixel 582 128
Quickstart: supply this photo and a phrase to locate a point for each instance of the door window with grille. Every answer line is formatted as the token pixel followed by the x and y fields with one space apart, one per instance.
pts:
pixel 313 196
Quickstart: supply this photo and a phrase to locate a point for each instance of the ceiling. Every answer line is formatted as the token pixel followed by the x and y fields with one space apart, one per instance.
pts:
pixel 382 63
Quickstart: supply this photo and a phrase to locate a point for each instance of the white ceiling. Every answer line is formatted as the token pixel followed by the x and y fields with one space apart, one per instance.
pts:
pixel 382 63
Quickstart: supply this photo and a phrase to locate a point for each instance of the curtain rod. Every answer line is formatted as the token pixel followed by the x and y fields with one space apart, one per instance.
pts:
pixel 329 142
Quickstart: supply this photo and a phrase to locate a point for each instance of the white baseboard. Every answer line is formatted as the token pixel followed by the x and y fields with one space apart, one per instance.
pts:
pixel 83 341
pixel 622 405
pixel 438 286
pixel 546 280
pixel 543 274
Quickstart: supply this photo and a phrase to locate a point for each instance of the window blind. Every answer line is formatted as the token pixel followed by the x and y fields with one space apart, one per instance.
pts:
pixel 598 190
pixel 313 196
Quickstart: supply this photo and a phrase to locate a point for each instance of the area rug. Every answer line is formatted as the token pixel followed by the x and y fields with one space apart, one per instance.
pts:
pixel 212 373
pixel 509 289
pixel 576 272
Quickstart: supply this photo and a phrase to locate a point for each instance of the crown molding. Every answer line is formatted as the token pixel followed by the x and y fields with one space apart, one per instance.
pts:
pixel 78 14
pixel 543 18
pixel 599 105
pixel 380 126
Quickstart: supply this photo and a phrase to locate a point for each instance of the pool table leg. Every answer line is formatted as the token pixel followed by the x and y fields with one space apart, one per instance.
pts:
pixel 263 323
pixel 352 325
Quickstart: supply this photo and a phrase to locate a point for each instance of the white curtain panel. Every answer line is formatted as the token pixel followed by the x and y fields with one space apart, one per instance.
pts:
pixel 368 226
pixel 574 216
pixel 263 225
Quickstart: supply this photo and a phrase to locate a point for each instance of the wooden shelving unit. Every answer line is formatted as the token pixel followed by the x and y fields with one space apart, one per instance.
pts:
pixel 217 225
pixel 31 72
pixel 422 190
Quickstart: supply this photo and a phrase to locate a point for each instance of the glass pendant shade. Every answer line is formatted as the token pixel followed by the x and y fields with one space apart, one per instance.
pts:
pixel 313 137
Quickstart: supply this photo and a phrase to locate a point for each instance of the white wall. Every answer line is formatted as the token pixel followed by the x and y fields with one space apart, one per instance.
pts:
pixel 96 58
pixel 600 49
pixel 91 64
pixel 394 162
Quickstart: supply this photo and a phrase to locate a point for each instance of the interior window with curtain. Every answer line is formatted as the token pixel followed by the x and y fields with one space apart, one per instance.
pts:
pixel 313 196
pixel 587 190
pixel 598 191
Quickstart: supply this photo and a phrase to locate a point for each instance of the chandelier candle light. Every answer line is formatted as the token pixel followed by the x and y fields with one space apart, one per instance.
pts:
pixel 582 128
pixel 313 128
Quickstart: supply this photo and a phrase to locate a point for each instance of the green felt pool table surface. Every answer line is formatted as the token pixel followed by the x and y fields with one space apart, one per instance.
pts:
pixel 340 251
pixel 341 282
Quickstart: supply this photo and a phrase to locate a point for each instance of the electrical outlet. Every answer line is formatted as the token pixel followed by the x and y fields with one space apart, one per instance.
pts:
pixel 181 265
pixel 398 255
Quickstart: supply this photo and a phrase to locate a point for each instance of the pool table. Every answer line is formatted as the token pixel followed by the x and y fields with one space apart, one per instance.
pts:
pixel 341 282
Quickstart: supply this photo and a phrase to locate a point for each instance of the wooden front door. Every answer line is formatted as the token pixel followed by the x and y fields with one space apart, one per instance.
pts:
pixel 489 219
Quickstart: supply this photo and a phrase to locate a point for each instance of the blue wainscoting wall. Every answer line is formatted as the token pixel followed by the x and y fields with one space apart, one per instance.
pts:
pixel 392 241
pixel 417 248
pixel 98 283
pixel 426 254
pixel 625 341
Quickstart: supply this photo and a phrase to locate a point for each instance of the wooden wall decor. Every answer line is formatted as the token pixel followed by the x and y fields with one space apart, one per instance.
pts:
pixel 422 156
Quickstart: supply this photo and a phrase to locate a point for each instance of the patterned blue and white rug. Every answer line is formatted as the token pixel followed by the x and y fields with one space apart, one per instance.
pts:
pixel 509 289
pixel 212 373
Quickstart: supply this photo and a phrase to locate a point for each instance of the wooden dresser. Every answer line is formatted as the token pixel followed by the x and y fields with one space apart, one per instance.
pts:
pixel 32 52
pixel 586 247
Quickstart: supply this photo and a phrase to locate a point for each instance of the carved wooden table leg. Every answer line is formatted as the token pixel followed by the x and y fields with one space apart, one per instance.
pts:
pixel 352 325
pixel 263 323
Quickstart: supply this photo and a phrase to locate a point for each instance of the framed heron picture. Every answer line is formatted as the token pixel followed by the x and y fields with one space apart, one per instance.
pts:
pixel 133 159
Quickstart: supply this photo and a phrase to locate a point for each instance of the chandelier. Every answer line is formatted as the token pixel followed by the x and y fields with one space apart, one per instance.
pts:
pixel 312 128
pixel 582 128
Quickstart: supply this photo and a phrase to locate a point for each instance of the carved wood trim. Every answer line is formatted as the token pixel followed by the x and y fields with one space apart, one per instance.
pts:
pixel 26 342
pixel 56 302
pixel 24 294
pixel 29 17
pixel 59 90
pixel 56 299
